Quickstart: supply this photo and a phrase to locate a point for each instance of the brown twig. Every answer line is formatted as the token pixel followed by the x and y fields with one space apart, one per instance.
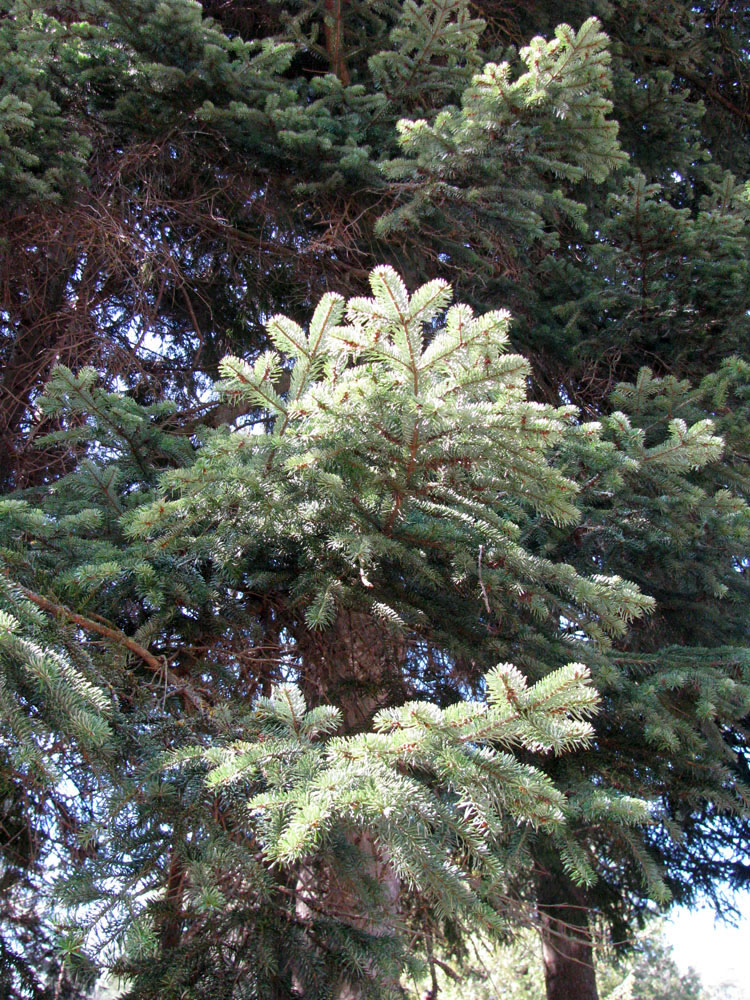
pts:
pixel 157 664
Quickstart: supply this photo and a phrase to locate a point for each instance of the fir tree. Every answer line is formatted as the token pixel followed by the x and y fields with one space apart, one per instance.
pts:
pixel 174 173
pixel 382 523
pixel 368 536
pixel 205 134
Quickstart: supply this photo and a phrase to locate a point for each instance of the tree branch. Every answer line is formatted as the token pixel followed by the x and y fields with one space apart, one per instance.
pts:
pixel 157 664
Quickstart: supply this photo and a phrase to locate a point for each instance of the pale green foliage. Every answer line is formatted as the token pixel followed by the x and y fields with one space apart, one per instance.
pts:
pixel 511 135
pixel 434 48
pixel 389 472
pixel 433 787
pixel 176 178
pixel 37 667
pixel 387 451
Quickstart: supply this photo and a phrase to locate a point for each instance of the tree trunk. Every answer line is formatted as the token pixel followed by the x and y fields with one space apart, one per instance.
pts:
pixel 334 35
pixel 170 930
pixel 325 890
pixel 357 665
pixel 567 947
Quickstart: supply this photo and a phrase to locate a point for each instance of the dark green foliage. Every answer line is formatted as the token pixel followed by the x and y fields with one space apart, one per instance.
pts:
pixel 55 720
pixel 374 459
pixel 215 152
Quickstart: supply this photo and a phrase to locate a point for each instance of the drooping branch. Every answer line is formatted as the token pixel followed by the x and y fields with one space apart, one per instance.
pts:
pixel 155 663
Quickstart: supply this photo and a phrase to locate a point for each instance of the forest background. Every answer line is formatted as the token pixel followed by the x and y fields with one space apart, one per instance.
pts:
pixel 211 589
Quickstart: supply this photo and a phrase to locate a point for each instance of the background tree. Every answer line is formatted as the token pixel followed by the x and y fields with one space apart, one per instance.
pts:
pixel 515 971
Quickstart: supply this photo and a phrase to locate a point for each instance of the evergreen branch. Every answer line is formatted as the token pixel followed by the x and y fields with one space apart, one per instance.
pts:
pixel 158 665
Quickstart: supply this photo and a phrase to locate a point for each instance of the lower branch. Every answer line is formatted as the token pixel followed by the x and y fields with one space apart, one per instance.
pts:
pixel 155 663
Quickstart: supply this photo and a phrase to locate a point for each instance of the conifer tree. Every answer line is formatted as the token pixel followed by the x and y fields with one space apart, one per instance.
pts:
pixel 381 526
pixel 676 687
pixel 174 173
pixel 203 135
pixel 370 535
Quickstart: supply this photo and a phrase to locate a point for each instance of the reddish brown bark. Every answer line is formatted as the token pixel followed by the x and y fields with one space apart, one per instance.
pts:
pixel 170 931
pixel 334 35
pixel 567 947
pixel 356 664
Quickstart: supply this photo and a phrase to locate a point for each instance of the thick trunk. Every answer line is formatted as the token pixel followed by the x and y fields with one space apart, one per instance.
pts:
pixel 566 940
pixel 357 665
pixel 330 892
